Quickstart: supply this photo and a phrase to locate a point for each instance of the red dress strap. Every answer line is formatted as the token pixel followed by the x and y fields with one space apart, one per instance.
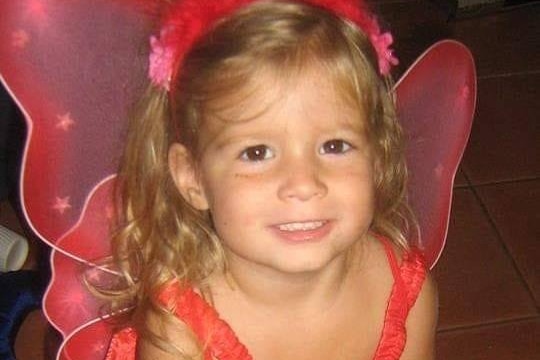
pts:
pixel 408 279
pixel 123 345
pixel 219 338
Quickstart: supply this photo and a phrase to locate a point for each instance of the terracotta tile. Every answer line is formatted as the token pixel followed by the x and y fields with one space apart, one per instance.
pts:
pixel 511 341
pixel 504 143
pixel 515 210
pixel 460 180
pixel 415 26
pixel 378 2
pixel 30 341
pixel 477 281
pixel 502 42
pixel 9 218
pixel 53 340
pixel 36 339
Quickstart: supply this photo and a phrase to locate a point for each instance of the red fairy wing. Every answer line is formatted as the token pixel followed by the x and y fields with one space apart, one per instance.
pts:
pixel 436 99
pixel 67 310
pixel 89 342
pixel 74 68
pixel 69 305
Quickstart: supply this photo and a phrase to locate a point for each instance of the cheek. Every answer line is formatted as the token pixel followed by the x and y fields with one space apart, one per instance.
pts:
pixel 234 201
pixel 357 190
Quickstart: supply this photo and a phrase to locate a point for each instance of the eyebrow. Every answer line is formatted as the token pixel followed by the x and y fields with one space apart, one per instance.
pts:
pixel 220 140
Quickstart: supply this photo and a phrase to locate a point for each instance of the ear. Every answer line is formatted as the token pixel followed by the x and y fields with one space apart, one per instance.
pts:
pixel 185 176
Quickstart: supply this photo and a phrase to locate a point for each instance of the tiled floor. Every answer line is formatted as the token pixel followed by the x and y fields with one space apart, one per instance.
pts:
pixel 489 274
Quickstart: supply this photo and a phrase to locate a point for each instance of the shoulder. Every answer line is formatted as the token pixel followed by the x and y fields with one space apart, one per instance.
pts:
pixel 407 267
pixel 163 336
pixel 422 322
pixel 422 298
pixel 413 291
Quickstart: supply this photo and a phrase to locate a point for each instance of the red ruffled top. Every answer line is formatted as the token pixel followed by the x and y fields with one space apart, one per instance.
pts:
pixel 222 343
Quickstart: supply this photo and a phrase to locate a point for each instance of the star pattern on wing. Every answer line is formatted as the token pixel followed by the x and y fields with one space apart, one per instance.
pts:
pixel 35 8
pixel 93 276
pixel 98 348
pixel 61 204
pixel 38 13
pixel 465 92
pixel 20 39
pixel 73 303
pixel 65 121
pixel 439 169
pixel 109 212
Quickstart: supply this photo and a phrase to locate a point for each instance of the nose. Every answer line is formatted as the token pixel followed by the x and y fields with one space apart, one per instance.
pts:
pixel 302 180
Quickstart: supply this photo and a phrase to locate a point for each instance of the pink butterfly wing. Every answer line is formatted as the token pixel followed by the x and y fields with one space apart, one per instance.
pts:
pixel 436 99
pixel 74 68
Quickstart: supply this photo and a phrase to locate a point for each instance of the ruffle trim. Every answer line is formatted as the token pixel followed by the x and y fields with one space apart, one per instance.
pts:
pixel 215 334
pixel 123 345
pixel 407 286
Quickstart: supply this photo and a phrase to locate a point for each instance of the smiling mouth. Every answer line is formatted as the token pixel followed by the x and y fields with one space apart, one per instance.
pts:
pixel 301 226
pixel 302 231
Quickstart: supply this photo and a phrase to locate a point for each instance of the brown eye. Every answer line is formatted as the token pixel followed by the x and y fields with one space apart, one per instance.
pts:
pixel 335 146
pixel 257 153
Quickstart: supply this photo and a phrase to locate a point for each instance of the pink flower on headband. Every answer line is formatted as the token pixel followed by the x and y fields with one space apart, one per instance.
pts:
pixel 381 43
pixel 161 61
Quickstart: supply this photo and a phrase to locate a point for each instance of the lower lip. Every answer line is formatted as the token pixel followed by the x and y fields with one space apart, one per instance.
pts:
pixel 302 236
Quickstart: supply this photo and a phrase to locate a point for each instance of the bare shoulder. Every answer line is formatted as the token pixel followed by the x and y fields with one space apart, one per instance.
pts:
pixel 421 324
pixel 167 338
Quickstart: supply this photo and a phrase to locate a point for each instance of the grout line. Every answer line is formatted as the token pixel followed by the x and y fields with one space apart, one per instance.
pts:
pixel 461 170
pixel 504 182
pixel 487 325
pixel 510 74
pixel 494 11
pixel 505 248
pixel 389 2
pixel 465 175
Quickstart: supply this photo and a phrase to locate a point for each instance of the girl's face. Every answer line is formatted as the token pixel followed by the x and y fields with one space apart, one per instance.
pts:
pixel 291 188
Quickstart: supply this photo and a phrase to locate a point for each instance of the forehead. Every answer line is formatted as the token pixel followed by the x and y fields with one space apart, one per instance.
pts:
pixel 269 95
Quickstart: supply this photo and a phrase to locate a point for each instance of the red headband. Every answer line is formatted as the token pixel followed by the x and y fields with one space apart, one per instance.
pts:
pixel 188 20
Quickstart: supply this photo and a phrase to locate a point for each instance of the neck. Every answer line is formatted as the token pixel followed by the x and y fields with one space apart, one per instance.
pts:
pixel 299 292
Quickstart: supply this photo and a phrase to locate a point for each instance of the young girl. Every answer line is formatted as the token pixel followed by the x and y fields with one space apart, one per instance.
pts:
pixel 263 192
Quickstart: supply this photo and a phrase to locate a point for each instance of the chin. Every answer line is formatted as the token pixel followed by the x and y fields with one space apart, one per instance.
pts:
pixel 307 264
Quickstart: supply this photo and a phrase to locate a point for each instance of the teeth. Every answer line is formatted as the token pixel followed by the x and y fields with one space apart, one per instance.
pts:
pixel 301 226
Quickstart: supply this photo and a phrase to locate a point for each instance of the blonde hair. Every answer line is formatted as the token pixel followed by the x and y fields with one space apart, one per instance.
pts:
pixel 160 236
